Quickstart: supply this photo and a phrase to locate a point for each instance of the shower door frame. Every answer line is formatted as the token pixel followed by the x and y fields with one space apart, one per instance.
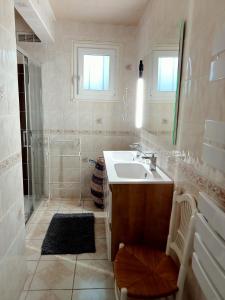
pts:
pixel 26 140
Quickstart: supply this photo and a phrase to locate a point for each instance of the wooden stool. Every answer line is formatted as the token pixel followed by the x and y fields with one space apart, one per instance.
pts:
pixel 146 273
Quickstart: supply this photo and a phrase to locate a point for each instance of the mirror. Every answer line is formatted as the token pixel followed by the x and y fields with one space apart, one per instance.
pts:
pixel 162 78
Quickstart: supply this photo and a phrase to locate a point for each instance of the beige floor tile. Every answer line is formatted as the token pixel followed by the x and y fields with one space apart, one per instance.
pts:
pixel 42 216
pixel 68 199
pixel 46 208
pixel 53 275
pixel 76 204
pixel 90 207
pixel 93 274
pixel 65 257
pixel 101 251
pixel 100 231
pixel 70 211
pixel 51 204
pixel 33 249
pixel 36 231
pixel 49 295
pixel 107 294
pixel 100 216
pixel 31 268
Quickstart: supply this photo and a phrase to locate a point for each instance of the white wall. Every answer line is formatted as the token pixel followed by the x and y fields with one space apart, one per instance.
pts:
pixel 39 16
pixel 12 263
pixel 200 99
pixel 21 25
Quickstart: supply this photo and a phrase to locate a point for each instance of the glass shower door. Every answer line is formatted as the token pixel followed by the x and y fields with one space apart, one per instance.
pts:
pixel 23 82
pixel 29 82
pixel 36 129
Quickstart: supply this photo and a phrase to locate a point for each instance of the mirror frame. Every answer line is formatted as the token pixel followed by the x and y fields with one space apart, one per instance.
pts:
pixel 179 79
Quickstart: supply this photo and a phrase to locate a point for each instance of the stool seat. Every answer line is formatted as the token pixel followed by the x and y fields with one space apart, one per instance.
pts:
pixel 145 272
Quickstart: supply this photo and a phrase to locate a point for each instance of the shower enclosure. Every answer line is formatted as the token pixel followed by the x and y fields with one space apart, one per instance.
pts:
pixel 30 102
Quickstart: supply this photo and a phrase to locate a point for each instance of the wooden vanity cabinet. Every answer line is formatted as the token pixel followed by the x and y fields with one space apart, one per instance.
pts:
pixel 137 214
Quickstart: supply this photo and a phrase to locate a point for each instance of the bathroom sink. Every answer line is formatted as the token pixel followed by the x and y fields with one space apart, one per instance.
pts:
pixel 131 170
pixel 123 155
pixel 122 167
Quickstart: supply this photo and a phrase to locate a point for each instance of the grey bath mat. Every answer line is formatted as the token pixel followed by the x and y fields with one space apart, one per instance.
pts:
pixel 70 234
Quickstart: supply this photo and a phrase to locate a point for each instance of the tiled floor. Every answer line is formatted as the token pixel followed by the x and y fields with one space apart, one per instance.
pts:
pixel 86 276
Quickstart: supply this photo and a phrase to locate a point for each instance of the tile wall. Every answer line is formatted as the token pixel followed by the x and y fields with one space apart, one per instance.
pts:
pixel 200 99
pixel 12 233
pixel 100 125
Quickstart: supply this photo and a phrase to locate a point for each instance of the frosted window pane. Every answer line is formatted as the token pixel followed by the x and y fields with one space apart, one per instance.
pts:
pixel 96 72
pixel 167 74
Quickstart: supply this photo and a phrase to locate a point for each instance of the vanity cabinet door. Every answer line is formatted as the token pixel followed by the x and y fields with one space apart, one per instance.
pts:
pixel 140 215
pixel 108 201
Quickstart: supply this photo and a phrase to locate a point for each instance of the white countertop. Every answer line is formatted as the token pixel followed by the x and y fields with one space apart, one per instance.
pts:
pixel 125 162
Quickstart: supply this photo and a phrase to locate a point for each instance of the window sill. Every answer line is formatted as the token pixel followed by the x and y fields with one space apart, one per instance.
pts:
pixel 94 100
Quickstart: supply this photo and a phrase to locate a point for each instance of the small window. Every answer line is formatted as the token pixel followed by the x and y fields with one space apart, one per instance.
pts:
pixel 164 75
pixel 95 72
pixel 167 74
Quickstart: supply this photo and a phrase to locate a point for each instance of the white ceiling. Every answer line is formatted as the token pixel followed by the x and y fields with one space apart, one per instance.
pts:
pixel 123 12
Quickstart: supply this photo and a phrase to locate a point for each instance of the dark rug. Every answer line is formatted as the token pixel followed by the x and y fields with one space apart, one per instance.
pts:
pixel 70 234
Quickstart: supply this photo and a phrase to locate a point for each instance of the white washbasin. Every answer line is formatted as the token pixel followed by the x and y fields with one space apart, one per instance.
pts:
pixel 123 168
pixel 131 170
pixel 122 155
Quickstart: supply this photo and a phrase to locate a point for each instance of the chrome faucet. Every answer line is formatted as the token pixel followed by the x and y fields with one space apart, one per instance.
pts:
pixel 153 160
pixel 138 147
pixel 145 155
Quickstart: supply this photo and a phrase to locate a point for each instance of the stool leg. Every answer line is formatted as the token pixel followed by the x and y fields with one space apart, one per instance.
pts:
pixel 123 294
pixel 121 245
pixel 117 293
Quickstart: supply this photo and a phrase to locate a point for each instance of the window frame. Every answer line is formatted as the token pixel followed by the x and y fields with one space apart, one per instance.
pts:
pixel 109 49
pixel 155 95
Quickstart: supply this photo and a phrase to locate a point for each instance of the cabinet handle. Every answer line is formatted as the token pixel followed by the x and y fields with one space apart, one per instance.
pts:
pixel 25 139
pixel 110 226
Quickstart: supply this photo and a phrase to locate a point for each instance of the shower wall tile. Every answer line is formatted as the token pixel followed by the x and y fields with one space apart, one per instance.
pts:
pixel 101 125
pixel 59 111
pixel 12 262
pixel 10 141
pixel 12 177
pixel 66 174
pixel 15 267
pixel 53 119
pixel 10 224
pixel 64 162
pixel 67 169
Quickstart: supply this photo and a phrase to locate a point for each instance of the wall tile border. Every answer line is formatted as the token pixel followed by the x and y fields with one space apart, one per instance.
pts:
pixel 202 182
pixel 89 132
pixel 189 169
pixel 9 162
